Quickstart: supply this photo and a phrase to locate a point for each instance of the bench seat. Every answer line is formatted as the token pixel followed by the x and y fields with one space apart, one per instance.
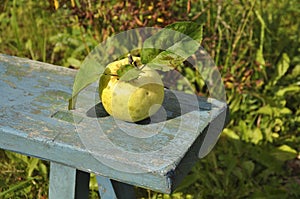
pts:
pixel 34 121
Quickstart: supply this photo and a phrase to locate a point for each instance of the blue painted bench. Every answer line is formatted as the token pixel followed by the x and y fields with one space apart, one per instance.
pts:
pixel 34 121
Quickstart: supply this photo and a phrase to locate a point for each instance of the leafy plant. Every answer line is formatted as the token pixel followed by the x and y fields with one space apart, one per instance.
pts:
pixel 161 55
pixel 18 182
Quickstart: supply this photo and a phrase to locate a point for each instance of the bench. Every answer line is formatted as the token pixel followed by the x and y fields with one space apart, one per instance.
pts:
pixel 35 121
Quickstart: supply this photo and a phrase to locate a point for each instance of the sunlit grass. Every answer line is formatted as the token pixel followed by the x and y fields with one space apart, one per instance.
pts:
pixel 255 45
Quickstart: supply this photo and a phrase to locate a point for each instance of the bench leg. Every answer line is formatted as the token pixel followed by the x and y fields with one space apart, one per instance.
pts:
pixel 111 189
pixel 67 182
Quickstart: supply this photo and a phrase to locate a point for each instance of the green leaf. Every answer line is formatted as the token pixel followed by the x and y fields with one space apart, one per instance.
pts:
pixel 290 88
pixel 175 55
pixel 124 69
pixel 43 170
pixel 296 71
pixel 285 111
pixel 287 149
pixel 74 62
pixel 257 136
pixel 284 152
pixel 129 73
pixel 231 134
pixel 282 67
pixel 172 45
pixel 165 60
pixel 33 163
pixel 94 64
pixel 89 72
pixel 266 110
pixel 179 41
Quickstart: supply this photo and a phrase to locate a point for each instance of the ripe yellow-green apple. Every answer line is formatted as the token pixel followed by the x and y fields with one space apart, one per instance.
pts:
pixel 132 100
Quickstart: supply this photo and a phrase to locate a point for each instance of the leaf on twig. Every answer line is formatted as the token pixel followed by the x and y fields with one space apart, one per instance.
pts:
pixel 165 50
pixel 172 45
pixel 128 72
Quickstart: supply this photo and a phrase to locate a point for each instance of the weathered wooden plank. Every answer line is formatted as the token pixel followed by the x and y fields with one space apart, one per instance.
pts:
pixel 106 188
pixel 62 181
pixel 30 93
pixel 34 120
pixel 110 189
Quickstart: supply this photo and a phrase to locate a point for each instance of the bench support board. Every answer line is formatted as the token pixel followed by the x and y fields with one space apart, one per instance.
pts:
pixel 62 181
pixel 32 95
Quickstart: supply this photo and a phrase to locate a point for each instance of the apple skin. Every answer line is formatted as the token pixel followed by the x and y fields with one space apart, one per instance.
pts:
pixel 132 100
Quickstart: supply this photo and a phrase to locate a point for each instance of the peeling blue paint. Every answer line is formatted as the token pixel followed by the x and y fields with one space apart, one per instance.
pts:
pixel 34 120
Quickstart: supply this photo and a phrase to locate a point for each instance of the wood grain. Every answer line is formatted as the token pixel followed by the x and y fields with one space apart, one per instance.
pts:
pixel 154 154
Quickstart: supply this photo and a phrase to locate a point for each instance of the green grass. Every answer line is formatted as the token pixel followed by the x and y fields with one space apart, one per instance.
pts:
pixel 255 45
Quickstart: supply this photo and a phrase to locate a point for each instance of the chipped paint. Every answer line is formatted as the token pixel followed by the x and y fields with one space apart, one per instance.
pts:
pixel 34 120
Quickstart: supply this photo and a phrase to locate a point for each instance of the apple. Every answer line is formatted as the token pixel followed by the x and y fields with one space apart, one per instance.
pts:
pixel 133 99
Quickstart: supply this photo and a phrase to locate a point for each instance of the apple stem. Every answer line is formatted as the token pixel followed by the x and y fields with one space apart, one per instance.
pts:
pixel 131 61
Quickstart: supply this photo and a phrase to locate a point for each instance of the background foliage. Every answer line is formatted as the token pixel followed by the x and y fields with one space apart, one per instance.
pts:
pixel 255 45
